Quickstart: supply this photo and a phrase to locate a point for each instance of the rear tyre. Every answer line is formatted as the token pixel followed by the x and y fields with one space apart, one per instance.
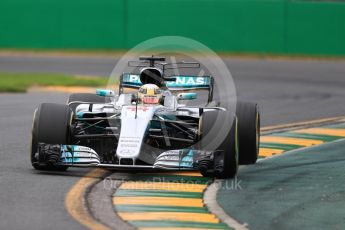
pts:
pixel 51 125
pixel 87 98
pixel 248 131
pixel 212 123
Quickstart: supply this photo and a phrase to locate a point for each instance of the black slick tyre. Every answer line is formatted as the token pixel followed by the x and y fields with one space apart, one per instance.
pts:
pixel 51 125
pixel 218 132
pixel 248 131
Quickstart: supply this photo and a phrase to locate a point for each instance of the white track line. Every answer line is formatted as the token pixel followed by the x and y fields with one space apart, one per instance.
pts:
pixel 210 199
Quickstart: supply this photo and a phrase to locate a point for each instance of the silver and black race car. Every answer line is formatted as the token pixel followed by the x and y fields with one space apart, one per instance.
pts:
pixel 132 130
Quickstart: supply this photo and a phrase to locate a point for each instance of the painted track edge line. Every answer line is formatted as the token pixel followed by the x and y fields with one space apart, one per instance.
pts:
pixel 210 200
pixel 297 125
pixel 75 200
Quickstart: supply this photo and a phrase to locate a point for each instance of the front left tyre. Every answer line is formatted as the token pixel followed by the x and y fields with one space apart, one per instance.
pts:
pixel 51 125
pixel 248 131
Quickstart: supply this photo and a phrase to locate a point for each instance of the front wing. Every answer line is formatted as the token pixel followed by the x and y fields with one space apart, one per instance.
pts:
pixel 81 156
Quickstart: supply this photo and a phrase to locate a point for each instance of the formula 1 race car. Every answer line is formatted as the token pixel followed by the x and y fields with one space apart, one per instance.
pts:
pixel 147 128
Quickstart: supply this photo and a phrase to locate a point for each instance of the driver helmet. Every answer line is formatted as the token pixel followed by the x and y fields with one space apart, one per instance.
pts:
pixel 150 94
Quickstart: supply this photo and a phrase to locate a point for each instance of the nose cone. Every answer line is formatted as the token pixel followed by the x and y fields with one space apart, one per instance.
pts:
pixel 134 124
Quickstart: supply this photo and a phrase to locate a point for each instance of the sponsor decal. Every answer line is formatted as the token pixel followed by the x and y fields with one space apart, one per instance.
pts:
pixel 139 108
pixel 181 81
pixel 188 81
pixel 129 140
pixel 129 146
pixel 126 151
pixel 134 78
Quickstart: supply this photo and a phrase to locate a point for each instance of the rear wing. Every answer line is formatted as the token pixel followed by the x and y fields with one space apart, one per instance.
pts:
pixel 182 82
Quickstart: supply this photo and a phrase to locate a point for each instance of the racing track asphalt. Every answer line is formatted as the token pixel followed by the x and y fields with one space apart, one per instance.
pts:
pixel 29 199
pixel 286 91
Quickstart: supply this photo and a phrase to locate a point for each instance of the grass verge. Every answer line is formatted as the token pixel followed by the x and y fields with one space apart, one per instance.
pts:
pixel 20 82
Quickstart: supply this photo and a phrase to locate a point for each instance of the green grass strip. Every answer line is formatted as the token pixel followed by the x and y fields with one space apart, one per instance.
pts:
pixel 325 138
pixel 159 193
pixel 20 82
pixel 336 126
pixel 178 224
pixel 285 147
pixel 148 208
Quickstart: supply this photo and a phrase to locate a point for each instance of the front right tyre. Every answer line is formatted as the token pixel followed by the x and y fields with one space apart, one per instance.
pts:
pixel 51 125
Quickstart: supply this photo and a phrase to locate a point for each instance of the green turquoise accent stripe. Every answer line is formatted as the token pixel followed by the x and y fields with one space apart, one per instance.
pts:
pixel 178 224
pixel 285 147
pixel 147 208
pixel 161 193
pixel 325 138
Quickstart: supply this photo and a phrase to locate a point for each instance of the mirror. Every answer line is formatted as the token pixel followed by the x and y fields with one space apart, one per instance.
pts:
pixel 105 92
pixel 186 96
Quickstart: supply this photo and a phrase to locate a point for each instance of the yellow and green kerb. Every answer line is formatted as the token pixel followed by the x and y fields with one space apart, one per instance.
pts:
pixel 166 201
pixel 280 142
pixel 175 200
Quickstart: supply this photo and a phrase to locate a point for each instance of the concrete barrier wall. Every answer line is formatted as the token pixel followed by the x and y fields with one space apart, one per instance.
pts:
pixel 253 26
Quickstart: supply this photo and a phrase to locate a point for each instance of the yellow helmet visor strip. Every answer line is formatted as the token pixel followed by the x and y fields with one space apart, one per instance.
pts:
pixel 150 92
